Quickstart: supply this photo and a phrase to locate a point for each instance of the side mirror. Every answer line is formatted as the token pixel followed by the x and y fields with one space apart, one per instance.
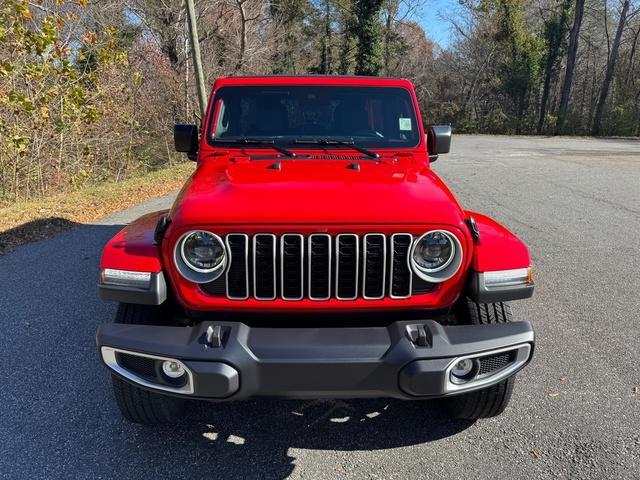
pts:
pixel 438 141
pixel 185 138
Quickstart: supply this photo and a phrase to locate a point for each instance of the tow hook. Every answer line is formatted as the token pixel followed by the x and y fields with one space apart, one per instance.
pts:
pixel 214 336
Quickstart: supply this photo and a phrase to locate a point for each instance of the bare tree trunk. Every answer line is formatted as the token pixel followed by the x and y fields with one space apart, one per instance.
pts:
pixel 243 35
pixel 326 59
pixel 611 65
pixel 391 8
pixel 571 63
pixel 630 69
pixel 553 53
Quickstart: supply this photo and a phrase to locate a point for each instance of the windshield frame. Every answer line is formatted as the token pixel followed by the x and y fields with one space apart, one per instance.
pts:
pixel 289 140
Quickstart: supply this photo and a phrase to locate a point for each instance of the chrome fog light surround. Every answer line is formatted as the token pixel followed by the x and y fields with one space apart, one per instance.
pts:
pixel 473 381
pixel 443 272
pixel 173 368
pixel 110 359
pixel 464 370
pixel 192 272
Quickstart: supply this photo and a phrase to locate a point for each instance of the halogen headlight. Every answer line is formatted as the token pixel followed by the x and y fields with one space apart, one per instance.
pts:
pixel 200 256
pixel 436 256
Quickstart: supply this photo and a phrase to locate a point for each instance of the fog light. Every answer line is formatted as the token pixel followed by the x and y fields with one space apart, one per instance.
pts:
pixel 463 370
pixel 173 369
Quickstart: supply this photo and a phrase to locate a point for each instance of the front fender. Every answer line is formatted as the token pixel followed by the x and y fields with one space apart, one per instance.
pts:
pixel 498 253
pixel 131 264
pixel 497 248
pixel 133 248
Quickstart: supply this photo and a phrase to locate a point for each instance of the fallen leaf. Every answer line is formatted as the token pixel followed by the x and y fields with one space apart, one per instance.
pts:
pixel 554 394
pixel 535 453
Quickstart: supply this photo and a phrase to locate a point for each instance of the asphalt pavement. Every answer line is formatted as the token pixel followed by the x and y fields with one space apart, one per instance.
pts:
pixel 575 412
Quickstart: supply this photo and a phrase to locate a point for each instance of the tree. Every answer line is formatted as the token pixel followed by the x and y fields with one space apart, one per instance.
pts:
pixel 288 17
pixel 555 33
pixel 326 52
pixel 519 59
pixel 165 20
pixel 366 27
pixel 571 62
pixel 611 65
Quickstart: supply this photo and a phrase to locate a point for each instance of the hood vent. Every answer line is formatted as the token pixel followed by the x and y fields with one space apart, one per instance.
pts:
pixel 333 157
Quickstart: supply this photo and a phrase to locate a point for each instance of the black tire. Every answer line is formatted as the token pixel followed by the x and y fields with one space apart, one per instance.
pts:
pixel 491 401
pixel 142 406
pixel 137 404
pixel 133 314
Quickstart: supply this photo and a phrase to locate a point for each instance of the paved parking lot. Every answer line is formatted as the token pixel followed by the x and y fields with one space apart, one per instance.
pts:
pixel 575 412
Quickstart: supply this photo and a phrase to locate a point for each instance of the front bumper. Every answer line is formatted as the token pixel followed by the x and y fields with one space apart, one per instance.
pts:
pixel 230 360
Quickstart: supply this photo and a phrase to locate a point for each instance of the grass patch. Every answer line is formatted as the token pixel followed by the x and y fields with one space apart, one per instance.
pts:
pixel 38 219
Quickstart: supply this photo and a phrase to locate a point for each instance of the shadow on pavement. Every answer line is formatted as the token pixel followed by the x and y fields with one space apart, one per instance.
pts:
pixel 59 419
pixel 32 232
pixel 253 439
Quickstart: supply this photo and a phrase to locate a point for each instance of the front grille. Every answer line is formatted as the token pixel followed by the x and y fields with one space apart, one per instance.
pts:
pixel 318 267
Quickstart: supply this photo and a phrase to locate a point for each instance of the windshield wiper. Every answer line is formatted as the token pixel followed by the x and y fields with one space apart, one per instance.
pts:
pixel 338 143
pixel 256 141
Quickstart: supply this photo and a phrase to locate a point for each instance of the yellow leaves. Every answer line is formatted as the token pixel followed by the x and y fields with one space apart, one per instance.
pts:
pixel 5 68
pixel 83 3
pixel 22 9
pixel 19 143
pixel 137 79
pixel 90 37
pixel 72 16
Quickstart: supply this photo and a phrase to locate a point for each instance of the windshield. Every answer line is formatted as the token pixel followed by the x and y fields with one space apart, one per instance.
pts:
pixel 368 116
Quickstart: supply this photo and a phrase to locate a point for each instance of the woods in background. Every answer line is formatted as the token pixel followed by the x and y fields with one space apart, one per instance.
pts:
pixel 89 89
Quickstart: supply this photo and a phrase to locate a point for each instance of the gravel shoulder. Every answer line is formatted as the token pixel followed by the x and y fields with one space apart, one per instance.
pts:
pixel 575 411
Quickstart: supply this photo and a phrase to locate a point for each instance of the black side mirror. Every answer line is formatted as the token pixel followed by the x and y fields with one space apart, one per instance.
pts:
pixel 185 138
pixel 438 141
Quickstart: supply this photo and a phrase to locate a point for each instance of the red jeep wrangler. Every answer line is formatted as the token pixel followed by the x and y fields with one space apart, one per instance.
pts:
pixel 313 254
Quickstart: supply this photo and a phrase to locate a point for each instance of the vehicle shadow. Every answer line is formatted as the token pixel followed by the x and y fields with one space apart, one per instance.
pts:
pixel 255 439
pixel 59 416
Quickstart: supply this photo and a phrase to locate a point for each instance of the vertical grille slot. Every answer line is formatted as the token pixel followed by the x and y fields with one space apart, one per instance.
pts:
pixel 264 266
pixel 347 265
pixel 238 273
pixel 374 265
pixel 319 266
pixel 401 275
pixel 291 265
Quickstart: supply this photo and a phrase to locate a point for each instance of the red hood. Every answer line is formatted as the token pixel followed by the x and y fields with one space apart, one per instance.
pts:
pixel 307 191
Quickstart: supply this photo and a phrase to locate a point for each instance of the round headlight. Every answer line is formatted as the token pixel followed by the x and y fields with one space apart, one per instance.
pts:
pixel 203 251
pixel 433 252
pixel 436 256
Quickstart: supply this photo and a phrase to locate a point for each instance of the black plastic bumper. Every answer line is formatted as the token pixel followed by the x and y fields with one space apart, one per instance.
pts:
pixel 406 359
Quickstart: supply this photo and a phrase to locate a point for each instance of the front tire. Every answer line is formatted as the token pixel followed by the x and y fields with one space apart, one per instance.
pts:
pixel 491 401
pixel 137 404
